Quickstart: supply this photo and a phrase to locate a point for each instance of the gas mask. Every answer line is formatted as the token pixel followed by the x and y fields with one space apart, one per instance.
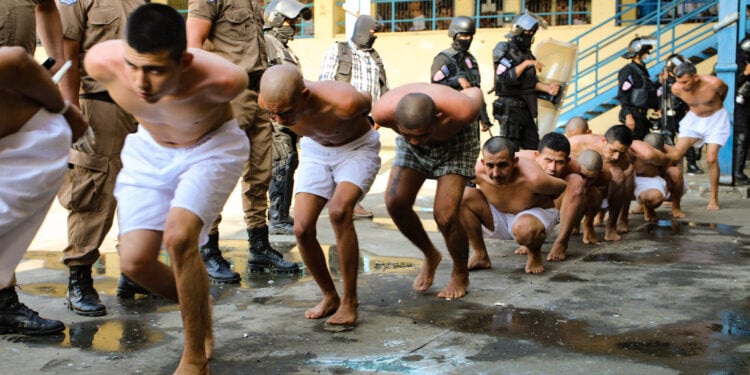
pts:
pixel 462 44
pixel 524 41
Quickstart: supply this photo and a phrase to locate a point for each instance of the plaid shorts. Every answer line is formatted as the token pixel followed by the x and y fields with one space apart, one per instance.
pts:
pixel 459 156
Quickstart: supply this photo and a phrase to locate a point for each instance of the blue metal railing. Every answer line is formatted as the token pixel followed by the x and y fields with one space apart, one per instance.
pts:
pixel 595 74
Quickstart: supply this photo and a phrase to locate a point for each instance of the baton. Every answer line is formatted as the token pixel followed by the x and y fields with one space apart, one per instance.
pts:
pixel 58 76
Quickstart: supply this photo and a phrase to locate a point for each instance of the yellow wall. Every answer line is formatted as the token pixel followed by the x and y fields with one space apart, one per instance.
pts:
pixel 408 55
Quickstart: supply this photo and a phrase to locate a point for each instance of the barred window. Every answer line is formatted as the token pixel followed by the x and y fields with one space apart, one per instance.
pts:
pixel 561 12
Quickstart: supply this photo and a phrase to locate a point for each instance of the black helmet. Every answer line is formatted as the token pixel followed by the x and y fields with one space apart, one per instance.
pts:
pixel 673 61
pixel 745 48
pixel 523 22
pixel 278 10
pixel 638 46
pixel 461 25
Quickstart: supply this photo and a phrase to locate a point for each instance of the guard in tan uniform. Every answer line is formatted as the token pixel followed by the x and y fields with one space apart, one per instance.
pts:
pixel 87 189
pixel 235 29
pixel 18 23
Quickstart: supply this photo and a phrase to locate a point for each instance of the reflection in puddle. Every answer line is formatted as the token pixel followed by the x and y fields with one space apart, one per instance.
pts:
pixel 107 269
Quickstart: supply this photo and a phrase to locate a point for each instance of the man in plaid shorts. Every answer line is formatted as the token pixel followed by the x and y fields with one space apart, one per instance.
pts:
pixel 439 139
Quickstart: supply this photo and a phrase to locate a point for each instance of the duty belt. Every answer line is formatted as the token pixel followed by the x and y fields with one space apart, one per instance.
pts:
pixel 513 101
pixel 253 79
pixel 101 95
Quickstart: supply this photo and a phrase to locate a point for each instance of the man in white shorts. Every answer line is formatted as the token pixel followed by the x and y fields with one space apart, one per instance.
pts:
pixel 500 174
pixel 338 163
pixel 656 177
pixel 35 136
pixel 706 122
pixel 187 147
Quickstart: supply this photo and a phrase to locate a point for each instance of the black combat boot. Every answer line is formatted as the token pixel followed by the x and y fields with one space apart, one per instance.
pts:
pixel 692 167
pixel 219 270
pixel 82 297
pixel 278 222
pixel 127 288
pixel 15 317
pixel 740 153
pixel 262 255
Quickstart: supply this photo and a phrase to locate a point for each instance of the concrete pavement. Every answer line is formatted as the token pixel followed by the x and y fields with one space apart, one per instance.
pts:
pixel 671 298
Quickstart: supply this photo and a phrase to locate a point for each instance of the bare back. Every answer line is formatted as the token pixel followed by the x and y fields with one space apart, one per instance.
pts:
pixel 529 187
pixel 334 113
pixel 705 97
pixel 455 109
pixel 199 104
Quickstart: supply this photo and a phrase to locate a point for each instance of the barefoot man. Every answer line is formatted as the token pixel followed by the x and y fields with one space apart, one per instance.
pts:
pixel 655 176
pixel 613 147
pixel 439 139
pixel 338 164
pixel 597 181
pixel 706 122
pixel 188 146
pixel 512 201
pixel 553 157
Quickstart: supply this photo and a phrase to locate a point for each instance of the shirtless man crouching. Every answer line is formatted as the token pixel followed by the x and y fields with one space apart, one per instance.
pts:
pixel 506 203
pixel 656 177
pixel 187 147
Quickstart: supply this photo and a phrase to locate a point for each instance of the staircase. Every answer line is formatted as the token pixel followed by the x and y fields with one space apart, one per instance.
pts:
pixel 593 89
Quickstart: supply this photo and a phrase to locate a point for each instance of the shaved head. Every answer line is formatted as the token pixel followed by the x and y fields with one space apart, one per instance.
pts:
pixel 576 126
pixel 656 140
pixel 415 111
pixel 280 84
pixel 590 160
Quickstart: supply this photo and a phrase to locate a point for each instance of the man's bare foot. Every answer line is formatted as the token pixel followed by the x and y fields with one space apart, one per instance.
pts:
pixel 326 306
pixel 534 262
pixel 712 205
pixel 637 210
pixel 427 272
pixel 456 287
pixel 622 227
pixel 345 315
pixel 589 236
pixel 187 368
pixel 610 234
pixel 678 213
pixel 479 261
pixel 557 253
pixel 521 250
pixel 649 215
pixel 599 220
pixel 576 230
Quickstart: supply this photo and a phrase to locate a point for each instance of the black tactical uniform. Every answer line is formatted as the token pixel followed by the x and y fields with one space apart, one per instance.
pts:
pixel 635 91
pixel 741 115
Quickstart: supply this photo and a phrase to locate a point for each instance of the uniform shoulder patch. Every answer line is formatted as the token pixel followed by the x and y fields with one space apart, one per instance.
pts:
pixel 68 2
pixel 441 73
pixel 468 63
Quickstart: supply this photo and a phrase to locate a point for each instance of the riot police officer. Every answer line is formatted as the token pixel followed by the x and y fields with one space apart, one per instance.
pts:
pixel 456 66
pixel 742 113
pixel 516 83
pixel 636 92
pixel 279 20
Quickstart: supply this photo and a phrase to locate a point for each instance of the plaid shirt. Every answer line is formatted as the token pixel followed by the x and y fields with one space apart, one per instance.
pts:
pixel 365 71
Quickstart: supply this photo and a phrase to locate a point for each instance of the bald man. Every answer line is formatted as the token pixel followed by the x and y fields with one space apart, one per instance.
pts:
pixel 597 180
pixel 438 139
pixel 613 147
pixel 338 163
pixel 656 177
pixel 577 125
pixel 488 210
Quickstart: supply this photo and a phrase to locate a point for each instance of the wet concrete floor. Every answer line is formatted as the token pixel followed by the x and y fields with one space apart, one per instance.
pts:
pixel 671 298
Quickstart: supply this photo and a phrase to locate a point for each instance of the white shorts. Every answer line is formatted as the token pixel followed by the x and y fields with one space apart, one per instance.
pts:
pixel 647 183
pixel 321 168
pixel 504 222
pixel 198 178
pixel 711 129
pixel 33 162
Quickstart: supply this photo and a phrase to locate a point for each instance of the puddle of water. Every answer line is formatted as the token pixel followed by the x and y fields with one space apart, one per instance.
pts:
pixel 236 253
pixel 115 335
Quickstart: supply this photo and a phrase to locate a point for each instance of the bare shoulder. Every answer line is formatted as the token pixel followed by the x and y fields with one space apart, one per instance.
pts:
pixel 104 59
pixel 713 80
pixel 213 71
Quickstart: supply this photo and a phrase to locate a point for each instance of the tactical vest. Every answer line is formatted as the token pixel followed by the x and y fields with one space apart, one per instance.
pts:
pixel 344 72
pixel 461 65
